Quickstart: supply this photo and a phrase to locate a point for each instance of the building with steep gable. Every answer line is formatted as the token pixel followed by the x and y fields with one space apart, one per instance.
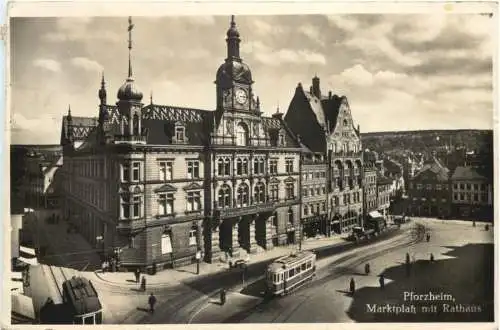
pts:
pixel 155 184
pixel 325 125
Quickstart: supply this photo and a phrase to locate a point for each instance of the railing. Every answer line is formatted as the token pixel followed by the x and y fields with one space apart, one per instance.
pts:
pixel 347 153
pixel 130 139
pixel 313 162
pixel 244 210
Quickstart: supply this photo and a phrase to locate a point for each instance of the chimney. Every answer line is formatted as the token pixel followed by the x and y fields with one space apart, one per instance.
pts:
pixel 330 95
pixel 315 87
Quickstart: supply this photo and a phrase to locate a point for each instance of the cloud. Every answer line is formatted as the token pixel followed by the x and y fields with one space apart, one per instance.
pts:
pixel 357 75
pixel 78 29
pixel 263 28
pixel 312 33
pixel 197 54
pixel 33 130
pixel 275 57
pixel 47 64
pixel 86 64
pixel 344 22
pixel 201 20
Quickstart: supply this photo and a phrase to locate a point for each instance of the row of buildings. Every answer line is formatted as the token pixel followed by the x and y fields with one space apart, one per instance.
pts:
pixel 155 183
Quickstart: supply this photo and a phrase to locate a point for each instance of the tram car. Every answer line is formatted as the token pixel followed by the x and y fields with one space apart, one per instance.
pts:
pixel 82 301
pixel 290 272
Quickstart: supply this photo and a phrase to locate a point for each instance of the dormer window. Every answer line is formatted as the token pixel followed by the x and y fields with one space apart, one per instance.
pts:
pixel 281 139
pixel 180 133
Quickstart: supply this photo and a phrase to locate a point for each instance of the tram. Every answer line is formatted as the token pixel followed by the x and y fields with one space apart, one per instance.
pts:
pixel 290 272
pixel 82 301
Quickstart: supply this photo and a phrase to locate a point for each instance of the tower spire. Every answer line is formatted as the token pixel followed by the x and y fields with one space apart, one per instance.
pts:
pixel 130 27
pixel 233 41
pixel 151 97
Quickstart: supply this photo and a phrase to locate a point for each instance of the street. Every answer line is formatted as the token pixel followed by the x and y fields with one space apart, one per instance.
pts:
pixel 463 268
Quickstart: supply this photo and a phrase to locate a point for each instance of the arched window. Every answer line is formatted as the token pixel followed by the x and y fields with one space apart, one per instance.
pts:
pixel 242 195
pixel 259 193
pixel 136 124
pixel 224 196
pixel 241 134
pixel 220 166
pixel 306 210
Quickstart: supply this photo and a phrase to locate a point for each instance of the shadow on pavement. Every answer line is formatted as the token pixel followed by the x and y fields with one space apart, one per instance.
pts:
pixel 468 278
pixel 255 289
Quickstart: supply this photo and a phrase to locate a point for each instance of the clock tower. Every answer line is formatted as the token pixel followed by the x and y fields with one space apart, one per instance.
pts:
pixel 234 78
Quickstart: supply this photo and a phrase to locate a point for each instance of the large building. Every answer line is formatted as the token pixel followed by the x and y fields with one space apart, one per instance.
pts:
pixel 472 193
pixel 370 193
pixel 314 195
pixel 429 191
pixel 157 183
pixel 325 125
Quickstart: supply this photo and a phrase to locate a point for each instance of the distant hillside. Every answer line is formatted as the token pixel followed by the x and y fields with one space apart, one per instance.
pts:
pixel 421 141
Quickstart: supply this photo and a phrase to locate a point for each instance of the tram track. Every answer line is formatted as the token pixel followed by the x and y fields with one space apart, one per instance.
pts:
pixel 336 272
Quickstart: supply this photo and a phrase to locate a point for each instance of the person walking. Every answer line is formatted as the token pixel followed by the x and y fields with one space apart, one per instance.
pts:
pixel 152 302
pixel 432 257
pixel 367 269
pixel 352 286
pixel 137 275
pixel 143 283
pixel 381 280
pixel 222 297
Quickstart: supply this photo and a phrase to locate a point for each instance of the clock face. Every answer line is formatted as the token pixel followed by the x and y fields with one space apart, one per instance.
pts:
pixel 241 96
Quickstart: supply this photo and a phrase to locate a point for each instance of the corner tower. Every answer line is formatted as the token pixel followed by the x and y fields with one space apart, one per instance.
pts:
pixel 129 99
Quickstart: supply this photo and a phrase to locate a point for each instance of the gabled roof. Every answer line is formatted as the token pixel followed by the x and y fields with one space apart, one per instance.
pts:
pixel 468 173
pixel 383 180
pixel 309 116
pixel 81 127
pixel 435 169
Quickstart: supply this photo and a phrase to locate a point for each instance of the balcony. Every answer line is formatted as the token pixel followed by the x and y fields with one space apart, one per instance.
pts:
pixel 245 210
pixel 137 139
pixel 347 154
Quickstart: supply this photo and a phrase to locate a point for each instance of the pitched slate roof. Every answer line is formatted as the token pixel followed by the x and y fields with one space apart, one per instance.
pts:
pixel 383 180
pixel 309 116
pixel 81 127
pixel 468 173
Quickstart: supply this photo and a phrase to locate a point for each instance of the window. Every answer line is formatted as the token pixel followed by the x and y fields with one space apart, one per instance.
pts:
pixel 290 216
pixel 275 220
pixel 136 171
pixel 429 186
pixel 462 186
pixel 318 191
pixel 166 169
pixel 224 166
pixel 125 172
pixel 274 192
pixel 462 196
pixel 476 198
pixel 289 190
pixel 166 243
pixel 468 186
pixel 258 166
pixel 259 193
pixel 455 186
pixel 193 169
pixel 419 186
pixel 304 192
pixel 241 135
pixel 476 186
pixel 125 208
pixel 289 166
pixel 179 133
pixel 438 187
pixel 483 186
pixel 192 236
pixel 281 139
pixel 136 206
pixel 242 195
pixel 193 201
pixel 306 210
pixel 455 196
pixel 224 197
pixel 166 204
pixel 323 190
pixel 336 201
pixel 273 166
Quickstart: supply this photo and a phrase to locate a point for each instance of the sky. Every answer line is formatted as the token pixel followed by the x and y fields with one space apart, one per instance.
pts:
pixel 398 71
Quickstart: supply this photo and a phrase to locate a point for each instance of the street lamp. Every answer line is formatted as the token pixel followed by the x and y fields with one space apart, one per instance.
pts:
pixel 199 256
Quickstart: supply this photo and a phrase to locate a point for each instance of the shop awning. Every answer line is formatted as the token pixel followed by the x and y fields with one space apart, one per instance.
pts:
pixel 29 261
pixel 375 214
pixel 27 250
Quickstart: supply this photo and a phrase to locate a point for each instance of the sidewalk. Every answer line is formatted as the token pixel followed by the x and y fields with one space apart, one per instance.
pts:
pixel 170 277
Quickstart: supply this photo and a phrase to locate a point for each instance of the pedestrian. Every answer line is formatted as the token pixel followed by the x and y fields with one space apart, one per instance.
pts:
pixel 352 286
pixel 382 281
pixel 222 297
pixel 103 267
pixel 407 258
pixel 143 283
pixel 137 275
pixel 432 257
pixel 486 227
pixel 367 269
pixel 152 302
pixel 474 223
pixel 428 237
